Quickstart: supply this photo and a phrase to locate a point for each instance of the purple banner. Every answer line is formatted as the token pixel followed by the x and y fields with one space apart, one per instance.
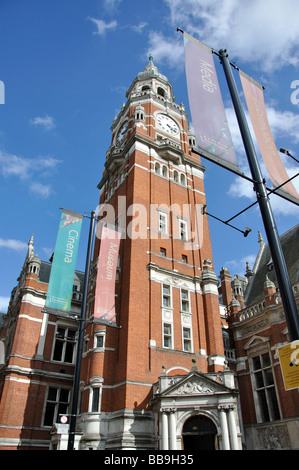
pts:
pixel 206 105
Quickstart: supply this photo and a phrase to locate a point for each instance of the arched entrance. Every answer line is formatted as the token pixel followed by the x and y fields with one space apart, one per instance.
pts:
pixel 199 433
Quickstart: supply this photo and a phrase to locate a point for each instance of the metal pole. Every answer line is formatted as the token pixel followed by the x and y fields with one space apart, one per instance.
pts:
pixel 282 275
pixel 73 417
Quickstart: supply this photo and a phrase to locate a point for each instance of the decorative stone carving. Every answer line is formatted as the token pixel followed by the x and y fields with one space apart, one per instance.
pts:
pixel 273 438
pixel 193 387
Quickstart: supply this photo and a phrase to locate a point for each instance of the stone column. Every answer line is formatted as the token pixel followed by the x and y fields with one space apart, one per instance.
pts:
pixel 164 430
pixel 224 428
pixel 232 429
pixel 172 430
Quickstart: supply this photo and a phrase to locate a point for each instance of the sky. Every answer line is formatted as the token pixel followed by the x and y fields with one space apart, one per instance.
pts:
pixel 65 68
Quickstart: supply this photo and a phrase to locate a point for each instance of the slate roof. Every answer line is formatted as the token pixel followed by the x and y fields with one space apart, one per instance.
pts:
pixel 45 269
pixel 290 247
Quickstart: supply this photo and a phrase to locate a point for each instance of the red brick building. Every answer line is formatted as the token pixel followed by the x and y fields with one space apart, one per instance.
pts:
pixel 257 328
pixel 156 380
pixel 37 365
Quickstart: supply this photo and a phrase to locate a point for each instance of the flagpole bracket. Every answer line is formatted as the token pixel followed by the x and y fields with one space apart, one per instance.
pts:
pixel 226 222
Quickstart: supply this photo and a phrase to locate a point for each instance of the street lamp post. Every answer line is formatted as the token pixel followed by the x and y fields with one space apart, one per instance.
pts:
pixel 284 284
pixel 73 417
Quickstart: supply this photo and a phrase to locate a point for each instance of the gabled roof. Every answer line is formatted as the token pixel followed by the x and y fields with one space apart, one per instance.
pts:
pixel 290 247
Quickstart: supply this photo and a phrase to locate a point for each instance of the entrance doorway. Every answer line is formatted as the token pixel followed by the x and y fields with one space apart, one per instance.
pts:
pixel 199 433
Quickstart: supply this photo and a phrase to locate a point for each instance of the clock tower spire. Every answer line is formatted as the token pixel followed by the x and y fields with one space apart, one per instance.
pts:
pixel 134 376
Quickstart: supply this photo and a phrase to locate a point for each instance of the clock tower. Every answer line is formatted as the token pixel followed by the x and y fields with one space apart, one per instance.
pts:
pixel 162 363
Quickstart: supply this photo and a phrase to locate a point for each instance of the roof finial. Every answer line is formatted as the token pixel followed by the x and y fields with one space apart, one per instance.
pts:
pixel 30 251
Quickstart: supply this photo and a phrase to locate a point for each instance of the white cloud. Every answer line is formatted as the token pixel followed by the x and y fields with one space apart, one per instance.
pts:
pixel 43 190
pixel 27 168
pixel 4 301
pixel 47 122
pixel 102 27
pixel 15 245
pixel 111 5
pixel 166 49
pixel 283 124
pixel 238 266
pixel 241 188
pixel 48 251
pixel 258 31
pixel 12 165
pixel 23 168
pixel 139 28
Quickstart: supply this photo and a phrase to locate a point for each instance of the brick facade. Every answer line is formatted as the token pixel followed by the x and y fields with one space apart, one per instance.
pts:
pixel 168 328
pixel 258 328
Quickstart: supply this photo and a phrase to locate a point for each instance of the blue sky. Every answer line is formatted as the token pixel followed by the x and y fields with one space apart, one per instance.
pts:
pixel 66 65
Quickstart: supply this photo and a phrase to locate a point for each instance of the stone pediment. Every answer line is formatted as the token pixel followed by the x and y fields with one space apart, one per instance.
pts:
pixel 195 383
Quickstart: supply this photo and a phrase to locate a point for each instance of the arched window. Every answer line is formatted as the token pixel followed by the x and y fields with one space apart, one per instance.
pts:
pixel 161 92
pixel 183 179
pixel 164 171
pixel 139 113
pixel 157 168
pixel 175 176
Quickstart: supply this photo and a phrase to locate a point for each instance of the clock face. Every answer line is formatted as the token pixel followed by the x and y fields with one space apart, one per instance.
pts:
pixel 122 133
pixel 166 124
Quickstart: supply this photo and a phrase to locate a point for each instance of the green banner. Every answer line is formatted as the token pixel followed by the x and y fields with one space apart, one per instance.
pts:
pixel 60 289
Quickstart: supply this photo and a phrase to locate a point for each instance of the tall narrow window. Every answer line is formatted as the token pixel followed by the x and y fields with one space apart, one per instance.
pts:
pixel 266 400
pixel 162 222
pixel 166 299
pixel 167 335
pixel 95 404
pixel 187 340
pixel 185 303
pixel 183 230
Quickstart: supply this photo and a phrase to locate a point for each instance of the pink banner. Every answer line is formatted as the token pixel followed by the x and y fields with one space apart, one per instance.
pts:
pixel 104 309
pixel 256 106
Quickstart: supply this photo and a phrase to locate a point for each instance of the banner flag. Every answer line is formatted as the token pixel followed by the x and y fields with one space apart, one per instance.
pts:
pixel 206 105
pixel 256 106
pixel 60 289
pixel 104 307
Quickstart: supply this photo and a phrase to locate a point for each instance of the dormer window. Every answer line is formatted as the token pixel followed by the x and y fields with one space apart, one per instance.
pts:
pixel 139 113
